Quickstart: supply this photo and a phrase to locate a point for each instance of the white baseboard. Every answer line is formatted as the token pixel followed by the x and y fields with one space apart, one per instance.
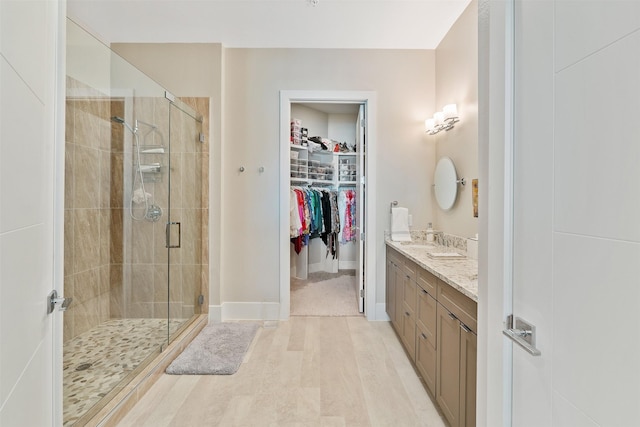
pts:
pixel 381 312
pixel 347 265
pixel 250 311
pixel 328 267
pixel 215 314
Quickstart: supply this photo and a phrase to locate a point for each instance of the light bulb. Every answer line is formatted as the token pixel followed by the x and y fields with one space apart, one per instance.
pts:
pixel 450 112
pixel 429 125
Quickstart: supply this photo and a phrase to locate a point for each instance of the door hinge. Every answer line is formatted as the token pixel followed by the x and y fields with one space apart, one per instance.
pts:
pixel 361 293
pixel 201 137
pixel 362 236
pixel 52 300
pixel 200 299
pixel 363 123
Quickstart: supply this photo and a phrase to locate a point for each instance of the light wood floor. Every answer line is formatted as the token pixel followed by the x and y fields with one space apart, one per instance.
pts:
pixel 308 371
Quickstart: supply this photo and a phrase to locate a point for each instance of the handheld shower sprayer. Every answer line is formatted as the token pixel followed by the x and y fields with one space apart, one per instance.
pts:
pixel 151 212
pixel 120 120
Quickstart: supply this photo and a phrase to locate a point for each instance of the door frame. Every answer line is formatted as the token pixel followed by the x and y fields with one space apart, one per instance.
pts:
pixel 369 100
pixel 59 130
pixel 495 248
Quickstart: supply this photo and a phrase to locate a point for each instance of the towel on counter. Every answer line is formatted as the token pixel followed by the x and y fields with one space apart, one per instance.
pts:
pixel 400 225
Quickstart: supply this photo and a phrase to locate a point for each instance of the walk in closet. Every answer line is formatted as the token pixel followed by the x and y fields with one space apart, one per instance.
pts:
pixel 326 148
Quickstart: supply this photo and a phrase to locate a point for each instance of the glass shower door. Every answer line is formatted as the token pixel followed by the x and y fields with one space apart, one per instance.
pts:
pixel 117 205
pixel 184 227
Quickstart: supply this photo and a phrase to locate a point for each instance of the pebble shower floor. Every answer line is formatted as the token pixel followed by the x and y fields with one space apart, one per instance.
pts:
pixel 96 361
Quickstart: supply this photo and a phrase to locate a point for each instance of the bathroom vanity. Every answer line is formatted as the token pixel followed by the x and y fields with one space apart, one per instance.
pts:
pixel 431 298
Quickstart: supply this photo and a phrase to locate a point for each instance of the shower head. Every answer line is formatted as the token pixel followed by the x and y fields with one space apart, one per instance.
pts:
pixel 120 120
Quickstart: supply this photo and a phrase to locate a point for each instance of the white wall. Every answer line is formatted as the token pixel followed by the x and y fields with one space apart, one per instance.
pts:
pixel 254 79
pixel 315 121
pixel 250 80
pixel 577 238
pixel 457 83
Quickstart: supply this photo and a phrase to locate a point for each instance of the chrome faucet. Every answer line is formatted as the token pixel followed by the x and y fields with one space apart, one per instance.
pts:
pixel 435 234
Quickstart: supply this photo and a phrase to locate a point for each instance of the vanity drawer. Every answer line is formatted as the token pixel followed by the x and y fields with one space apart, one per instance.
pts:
pixel 394 256
pixel 410 268
pixel 426 317
pixel 463 307
pixel 427 281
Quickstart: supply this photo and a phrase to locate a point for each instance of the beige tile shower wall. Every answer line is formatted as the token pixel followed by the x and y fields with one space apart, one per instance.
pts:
pixel 141 274
pixel 187 206
pixel 145 272
pixel 114 266
pixel 87 239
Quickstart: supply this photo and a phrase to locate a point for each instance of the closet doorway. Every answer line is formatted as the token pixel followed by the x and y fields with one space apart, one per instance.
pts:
pixel 325 269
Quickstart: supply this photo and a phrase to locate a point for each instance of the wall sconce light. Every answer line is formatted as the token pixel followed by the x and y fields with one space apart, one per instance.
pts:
pixel 442 120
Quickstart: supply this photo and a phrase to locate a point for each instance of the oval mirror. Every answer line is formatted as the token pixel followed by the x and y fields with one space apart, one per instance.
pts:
pixel 445 183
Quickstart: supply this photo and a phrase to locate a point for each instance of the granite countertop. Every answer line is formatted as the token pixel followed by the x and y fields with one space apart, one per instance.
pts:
pixel 461 274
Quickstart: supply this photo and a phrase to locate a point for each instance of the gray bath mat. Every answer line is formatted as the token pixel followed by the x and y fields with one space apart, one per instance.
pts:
pixel 217 350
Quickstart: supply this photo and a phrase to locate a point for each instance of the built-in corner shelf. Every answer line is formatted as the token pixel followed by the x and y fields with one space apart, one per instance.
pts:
pixel 152 167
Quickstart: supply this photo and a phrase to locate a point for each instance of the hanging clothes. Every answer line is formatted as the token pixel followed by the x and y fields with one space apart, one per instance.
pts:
pixel 314 213
pixel 295 223
pixel 347 207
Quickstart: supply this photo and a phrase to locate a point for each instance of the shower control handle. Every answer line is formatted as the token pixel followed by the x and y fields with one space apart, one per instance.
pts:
pixel 168 244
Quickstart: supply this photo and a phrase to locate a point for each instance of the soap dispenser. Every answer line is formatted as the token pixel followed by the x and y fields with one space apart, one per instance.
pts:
pixel 430 236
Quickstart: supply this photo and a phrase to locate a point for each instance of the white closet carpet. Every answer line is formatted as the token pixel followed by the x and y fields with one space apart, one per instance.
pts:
pixel 320 296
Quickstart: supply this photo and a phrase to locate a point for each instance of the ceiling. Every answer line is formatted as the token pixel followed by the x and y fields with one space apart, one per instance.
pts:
pixel 355 24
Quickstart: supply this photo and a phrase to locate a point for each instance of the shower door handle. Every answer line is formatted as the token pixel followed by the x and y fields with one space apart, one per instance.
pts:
pixel 168 244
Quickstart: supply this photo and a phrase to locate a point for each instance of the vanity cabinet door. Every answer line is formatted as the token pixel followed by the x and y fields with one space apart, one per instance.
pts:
pixel 448 365
pixel 409 308
pixel 426 358
pixel 468 357
pixel 399 300
pixel 390 296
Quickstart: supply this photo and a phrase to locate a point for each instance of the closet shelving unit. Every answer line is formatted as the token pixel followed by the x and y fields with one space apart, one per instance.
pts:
pixel 321 167
pixel 299 164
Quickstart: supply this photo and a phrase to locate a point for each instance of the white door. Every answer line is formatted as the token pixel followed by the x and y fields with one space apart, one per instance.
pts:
pixel 532 212
pixel 576 234
pixel 361 173
pixel 28 264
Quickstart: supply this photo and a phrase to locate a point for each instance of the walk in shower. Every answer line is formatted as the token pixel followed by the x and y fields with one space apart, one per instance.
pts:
pixel 136 173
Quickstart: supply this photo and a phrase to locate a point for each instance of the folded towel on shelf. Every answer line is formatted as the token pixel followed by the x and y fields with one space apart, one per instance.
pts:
pixel 400 225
